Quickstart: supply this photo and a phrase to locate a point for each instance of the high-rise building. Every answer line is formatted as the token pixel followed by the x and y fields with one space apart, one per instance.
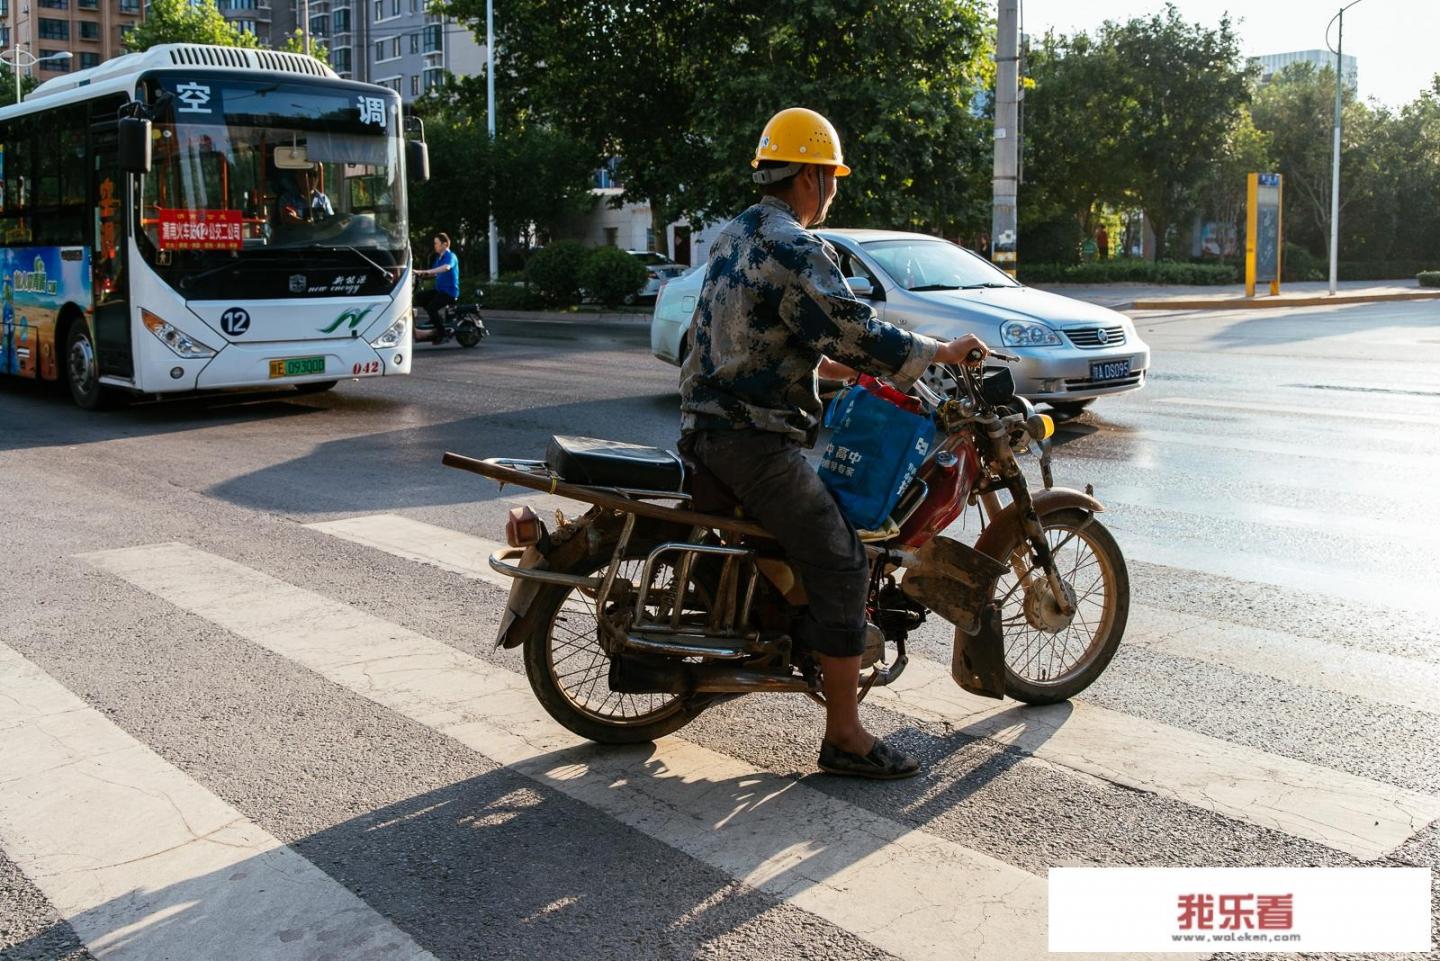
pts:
pixel 398 44
pixel 1273 63
pixel 90 30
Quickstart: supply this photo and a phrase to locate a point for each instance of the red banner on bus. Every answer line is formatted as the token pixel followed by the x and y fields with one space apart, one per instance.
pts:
pixel 200 230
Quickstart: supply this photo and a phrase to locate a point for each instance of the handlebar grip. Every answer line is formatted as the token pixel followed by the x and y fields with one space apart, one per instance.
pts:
pixel 975 356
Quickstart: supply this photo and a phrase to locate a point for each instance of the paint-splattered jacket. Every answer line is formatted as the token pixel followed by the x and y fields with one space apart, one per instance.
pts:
pixel 775 301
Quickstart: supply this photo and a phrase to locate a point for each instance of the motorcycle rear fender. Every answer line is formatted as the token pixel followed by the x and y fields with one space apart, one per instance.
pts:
pixel 569 546
pixel 1004 531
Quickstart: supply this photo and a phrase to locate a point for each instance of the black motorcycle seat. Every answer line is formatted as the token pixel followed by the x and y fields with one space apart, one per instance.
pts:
pixel 611 463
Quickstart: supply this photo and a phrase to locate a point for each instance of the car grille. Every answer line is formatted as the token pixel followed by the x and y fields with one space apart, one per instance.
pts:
pixel 1087 383
pixel 1090 337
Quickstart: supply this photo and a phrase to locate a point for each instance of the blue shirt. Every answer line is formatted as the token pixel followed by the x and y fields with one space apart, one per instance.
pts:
pixel 449 281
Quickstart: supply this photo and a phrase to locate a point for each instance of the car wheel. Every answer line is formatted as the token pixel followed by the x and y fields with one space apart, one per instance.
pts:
pixel 1071 408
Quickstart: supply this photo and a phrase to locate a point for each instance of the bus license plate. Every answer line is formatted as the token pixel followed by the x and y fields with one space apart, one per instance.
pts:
pixel 297 366
pixel 1110 370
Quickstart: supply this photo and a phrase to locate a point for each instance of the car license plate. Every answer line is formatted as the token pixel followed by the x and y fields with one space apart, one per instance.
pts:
pixel 297 366
pixel 1109 369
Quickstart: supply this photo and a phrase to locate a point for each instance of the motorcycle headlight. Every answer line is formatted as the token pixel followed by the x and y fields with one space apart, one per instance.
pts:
pixel 1019 333
pixel 392 335
pixel 173 337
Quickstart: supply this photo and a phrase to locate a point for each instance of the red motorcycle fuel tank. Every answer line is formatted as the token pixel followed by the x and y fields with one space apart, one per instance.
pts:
pixel 948 477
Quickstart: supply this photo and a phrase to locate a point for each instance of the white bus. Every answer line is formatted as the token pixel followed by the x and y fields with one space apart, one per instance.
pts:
pixel 198 218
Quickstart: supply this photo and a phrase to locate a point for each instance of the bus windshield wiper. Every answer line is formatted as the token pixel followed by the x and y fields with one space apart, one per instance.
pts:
pixel 358 253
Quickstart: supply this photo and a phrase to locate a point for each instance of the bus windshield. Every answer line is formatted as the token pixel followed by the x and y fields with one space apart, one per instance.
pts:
pixel 241 167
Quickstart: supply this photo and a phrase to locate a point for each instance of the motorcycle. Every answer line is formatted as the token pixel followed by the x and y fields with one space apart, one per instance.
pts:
pixel 461 321
pixel 660 601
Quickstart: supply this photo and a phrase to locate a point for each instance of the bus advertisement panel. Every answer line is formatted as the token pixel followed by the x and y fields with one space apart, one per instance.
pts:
pixel 38 281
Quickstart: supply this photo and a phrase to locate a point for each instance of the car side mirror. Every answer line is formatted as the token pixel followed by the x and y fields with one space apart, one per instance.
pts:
pixel 862 287
pixel 417 158
pixel 134 145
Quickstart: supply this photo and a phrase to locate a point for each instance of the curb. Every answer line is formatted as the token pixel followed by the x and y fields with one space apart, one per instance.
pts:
pixel 1250 303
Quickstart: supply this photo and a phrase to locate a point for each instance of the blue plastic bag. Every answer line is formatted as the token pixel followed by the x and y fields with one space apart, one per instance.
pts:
pixel 873 454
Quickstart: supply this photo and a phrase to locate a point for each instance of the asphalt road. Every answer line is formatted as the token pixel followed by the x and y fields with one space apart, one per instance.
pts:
pixel 227 733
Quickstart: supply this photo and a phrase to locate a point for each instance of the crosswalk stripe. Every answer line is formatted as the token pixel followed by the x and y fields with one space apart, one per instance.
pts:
pixel 912 894
pixel 1360 816
pixel 1378 418
pixel 145 863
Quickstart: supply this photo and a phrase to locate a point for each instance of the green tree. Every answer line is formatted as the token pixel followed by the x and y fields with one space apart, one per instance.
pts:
pixel 186 21
pixel 295 43
pixel 7 86
pixel 680 89
pixel 1178 88
pixel 1296 109
pixel 543 176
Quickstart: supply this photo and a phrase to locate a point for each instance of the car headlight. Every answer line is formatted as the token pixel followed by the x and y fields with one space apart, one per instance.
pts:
pixel 392 336
pixel 1018 333
pixel 173 337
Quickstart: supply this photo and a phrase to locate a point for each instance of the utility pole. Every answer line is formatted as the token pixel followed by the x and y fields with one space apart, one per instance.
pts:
pixel 490 117
pixel 305 17
pixel 1335 167
pixel 1007 136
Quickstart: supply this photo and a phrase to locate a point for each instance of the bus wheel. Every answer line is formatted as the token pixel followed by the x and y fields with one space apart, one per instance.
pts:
pixel 82 371
pixel 315 387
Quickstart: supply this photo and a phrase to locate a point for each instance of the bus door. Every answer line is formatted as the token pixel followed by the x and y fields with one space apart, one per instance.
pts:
pixel 110 202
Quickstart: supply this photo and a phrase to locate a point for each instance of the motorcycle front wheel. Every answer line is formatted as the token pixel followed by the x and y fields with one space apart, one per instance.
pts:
pixel 1051 656
pixel 569 670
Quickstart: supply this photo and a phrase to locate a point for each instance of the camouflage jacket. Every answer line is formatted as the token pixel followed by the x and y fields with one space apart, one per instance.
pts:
pixel 774 301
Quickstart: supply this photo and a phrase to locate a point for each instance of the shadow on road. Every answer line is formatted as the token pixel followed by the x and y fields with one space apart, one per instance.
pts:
pixel 1278 326
pixel 504 865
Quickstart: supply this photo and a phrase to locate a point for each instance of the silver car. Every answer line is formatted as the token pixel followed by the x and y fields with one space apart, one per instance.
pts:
pixel 659 269
pixel 1071 352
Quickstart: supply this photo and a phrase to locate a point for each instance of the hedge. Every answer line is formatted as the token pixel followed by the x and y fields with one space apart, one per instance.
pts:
pixel 1129 270
pixel 508 297
pixel 555 272
pixel 610 275
pixel 1429 278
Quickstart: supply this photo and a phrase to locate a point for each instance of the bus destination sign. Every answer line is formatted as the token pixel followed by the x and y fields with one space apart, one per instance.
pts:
pixel 200 229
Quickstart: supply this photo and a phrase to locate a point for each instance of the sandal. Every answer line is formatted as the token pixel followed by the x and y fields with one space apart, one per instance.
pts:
pixel 883 763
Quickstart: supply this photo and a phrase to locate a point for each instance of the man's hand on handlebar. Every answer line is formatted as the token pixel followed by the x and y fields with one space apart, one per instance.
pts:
pixel 962 350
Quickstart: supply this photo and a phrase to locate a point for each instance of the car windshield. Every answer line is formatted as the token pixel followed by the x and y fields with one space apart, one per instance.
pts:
pixel 241 165
pixel 935 265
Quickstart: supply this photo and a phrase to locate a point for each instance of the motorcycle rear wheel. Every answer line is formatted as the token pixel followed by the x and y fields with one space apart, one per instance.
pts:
pixel 1044 665
pixel 468 334
pixel 569 671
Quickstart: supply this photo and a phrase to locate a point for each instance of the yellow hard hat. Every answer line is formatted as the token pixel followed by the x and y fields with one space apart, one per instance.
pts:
pixel 800 136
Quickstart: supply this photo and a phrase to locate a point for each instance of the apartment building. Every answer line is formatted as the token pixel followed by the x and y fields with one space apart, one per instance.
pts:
pixel 398 44
pixel 90 30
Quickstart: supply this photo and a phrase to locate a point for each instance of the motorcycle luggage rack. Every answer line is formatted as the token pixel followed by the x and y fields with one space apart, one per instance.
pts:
pixel 722 636
pixel 541 471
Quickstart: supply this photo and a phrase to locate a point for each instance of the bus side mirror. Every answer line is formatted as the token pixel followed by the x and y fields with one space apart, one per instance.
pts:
pixel 135 145
pixel 417 158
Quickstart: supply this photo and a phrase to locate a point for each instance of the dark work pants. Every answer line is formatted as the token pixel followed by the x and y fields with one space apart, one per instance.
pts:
pixel 781 492
pixel 433 301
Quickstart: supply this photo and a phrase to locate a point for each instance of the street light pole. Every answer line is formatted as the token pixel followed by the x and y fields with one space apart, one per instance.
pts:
pixel 15 63
pixel 494 242
pixel 1335 167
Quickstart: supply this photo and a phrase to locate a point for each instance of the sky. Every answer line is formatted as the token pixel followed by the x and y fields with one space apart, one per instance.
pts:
pixel 1397 42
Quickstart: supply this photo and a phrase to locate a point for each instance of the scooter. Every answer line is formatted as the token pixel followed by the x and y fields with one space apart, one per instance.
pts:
pixel 460 321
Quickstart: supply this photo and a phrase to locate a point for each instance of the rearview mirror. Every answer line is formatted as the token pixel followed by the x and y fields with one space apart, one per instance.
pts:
pixel 417 158
pixel 134 145
pixel 861 286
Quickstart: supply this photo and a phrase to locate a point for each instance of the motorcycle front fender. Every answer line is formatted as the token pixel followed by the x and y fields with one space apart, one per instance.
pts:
pixel 1004 532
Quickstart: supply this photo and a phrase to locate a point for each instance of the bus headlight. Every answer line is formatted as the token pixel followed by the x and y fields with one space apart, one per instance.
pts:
pixel 392 336
pixel 173 337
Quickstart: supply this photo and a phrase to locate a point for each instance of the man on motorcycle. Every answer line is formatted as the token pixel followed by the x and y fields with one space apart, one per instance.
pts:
pixel 446 271
pixel 774 310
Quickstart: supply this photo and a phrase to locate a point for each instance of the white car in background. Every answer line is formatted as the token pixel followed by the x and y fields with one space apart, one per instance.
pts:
pixel 1071 352
pixel 659 269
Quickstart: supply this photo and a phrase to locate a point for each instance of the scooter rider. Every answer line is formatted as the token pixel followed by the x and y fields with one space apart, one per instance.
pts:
pixel 775 308
pixel 446 271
